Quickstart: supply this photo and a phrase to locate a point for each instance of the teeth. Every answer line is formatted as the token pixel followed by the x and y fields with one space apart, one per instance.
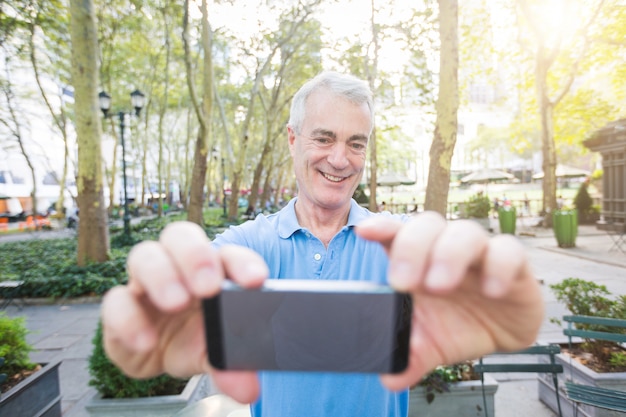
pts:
pixel 334 179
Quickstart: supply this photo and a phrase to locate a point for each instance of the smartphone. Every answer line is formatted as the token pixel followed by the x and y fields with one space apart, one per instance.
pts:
pixel 309 325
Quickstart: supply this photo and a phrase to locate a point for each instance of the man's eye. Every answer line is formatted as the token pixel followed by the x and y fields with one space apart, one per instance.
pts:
pixel 322 140
pixel 357 146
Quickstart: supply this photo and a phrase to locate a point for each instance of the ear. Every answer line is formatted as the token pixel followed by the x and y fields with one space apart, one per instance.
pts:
pixel 291 138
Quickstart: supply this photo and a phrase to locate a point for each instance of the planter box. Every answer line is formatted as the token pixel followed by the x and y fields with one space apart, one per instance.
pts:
pixel 38 395
pixel 575 371
pixel 196 389
pixel 465 399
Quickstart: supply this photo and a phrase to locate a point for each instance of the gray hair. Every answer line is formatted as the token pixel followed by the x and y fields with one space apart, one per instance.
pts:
pixel 346 86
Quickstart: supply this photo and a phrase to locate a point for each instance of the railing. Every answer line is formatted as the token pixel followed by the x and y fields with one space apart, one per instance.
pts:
pixel 455 209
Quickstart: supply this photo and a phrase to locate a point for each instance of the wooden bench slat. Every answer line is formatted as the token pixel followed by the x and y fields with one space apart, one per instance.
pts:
pixel 597 396
pixel 519 367
pixel 596 390
pixel 593 334
pixel 534 350
pixel 600 321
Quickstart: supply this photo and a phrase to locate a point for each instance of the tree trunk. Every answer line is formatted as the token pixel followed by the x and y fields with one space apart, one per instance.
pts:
pixel 203 112
pixel 447 106
pixel 93 234
pixel 548 147
pixel 198 174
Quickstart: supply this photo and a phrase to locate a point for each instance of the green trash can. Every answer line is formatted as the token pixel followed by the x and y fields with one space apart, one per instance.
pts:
pixel 565 225
pixel 507 218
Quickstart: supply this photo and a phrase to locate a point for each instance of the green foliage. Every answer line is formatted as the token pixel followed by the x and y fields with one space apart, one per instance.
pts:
pixel 587 298
pixel 13 345
pixel 583 201
pixel 439 380
pixel 597 174
pixel 478 206
pixel 618 359
pixel 590 299
pixel 48 267
pixel 111 382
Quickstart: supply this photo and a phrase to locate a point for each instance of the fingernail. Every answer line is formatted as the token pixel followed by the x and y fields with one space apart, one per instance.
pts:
pixel 174 295
pixel 254 269
pixel 438 277
pixel 401 275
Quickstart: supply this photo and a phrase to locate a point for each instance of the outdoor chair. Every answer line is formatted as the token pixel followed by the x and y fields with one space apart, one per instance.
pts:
pixel 518 366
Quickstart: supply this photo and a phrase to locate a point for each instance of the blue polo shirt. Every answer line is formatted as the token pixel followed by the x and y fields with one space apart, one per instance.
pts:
pixel 291 251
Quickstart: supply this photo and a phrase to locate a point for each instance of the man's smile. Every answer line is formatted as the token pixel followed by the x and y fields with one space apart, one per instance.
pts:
pixel 332 177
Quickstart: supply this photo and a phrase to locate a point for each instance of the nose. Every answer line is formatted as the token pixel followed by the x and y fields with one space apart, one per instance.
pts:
pixel 338 156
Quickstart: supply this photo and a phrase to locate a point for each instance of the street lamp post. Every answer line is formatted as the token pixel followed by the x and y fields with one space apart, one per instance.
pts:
pixel 137 99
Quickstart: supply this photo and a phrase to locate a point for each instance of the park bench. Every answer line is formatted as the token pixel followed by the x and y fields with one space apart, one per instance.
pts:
pixel 552 367
pixel 8 292
pixel 607 329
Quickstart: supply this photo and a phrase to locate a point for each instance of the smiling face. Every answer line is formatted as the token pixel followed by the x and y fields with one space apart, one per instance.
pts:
pixel 329 150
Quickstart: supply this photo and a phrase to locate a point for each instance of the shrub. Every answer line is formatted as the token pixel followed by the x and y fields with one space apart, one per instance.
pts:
pixel 478 206
pixel 360 196
pixel 587 298
pixel 439 380
pixel 13 346
pixel 111 382
pixel 583 200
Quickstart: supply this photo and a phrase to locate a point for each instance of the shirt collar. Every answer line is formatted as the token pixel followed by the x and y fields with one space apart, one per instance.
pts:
pixel 288 222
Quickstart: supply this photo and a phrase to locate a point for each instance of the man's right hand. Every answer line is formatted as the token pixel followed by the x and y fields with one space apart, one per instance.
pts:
pixel 154 324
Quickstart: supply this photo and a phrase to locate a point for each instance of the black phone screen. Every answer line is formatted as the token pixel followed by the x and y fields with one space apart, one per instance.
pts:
pixel 327 326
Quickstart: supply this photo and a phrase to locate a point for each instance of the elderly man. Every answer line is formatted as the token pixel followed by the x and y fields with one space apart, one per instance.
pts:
pixel 471 294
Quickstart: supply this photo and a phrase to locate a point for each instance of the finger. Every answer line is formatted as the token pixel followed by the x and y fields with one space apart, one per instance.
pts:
pixel 242 386
pixel 192 255
pixel 127 331
pixel 243 265
pixel 504 262
pixel 410 254
pixel 458 250
pixel 152 272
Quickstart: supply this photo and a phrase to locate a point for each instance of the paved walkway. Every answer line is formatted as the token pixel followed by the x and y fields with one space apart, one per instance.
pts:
pixel 64 331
